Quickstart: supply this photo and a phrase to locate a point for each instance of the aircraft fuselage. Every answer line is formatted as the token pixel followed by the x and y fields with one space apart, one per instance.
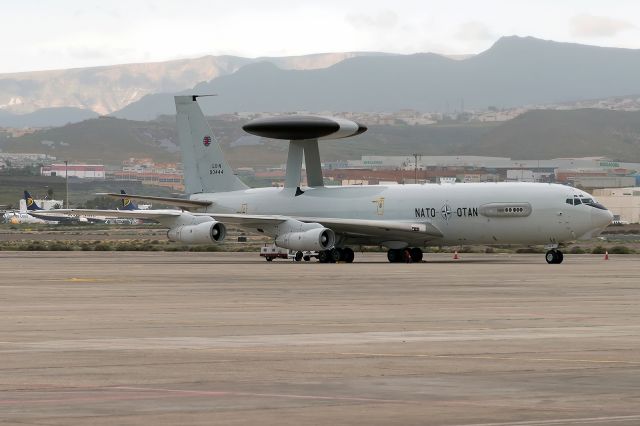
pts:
pixel 465 213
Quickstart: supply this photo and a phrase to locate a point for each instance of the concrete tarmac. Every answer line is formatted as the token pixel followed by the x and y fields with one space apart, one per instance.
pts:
pixel 117 338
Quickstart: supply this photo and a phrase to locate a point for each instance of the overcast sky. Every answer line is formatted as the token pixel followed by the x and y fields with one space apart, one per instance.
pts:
pixel 51 34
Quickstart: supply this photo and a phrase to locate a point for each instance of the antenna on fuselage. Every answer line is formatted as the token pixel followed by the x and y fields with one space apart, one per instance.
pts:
pixel 303 133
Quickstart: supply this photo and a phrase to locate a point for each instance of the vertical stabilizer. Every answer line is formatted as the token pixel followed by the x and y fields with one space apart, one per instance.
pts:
pixel 205 169
pixel 127 203
pixel 31 205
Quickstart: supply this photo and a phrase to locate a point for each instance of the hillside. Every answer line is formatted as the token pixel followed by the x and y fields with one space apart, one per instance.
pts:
pixel 101 140
pixel 515 71
pixel 45 117
pixel 110 88
pixel 537 134
pixel 111 140
pixel 543 134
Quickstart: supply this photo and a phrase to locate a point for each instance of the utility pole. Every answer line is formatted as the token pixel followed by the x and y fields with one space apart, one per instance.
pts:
pixel 66 176
pixel 415 169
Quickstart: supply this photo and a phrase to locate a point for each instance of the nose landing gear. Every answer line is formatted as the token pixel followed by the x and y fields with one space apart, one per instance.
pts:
pixel 554 256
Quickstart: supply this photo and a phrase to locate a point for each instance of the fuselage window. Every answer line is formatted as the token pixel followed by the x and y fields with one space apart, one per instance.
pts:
pixel 577 201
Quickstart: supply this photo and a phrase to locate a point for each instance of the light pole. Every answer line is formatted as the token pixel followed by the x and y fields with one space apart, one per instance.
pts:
pixel 66 176
pixel 415 169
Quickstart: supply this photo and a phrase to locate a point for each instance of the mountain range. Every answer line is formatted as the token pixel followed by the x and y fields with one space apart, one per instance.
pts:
pixel 515 71
pixel 109 88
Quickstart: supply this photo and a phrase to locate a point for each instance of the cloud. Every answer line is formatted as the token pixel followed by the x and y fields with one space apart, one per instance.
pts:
pixel 597 26
pixel 384 20
pixel 474 31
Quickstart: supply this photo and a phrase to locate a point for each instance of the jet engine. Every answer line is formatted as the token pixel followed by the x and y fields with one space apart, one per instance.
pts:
pixel 202 233
pixel 315 239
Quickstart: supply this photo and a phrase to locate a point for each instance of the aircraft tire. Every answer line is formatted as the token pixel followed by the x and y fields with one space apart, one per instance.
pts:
pixel 416 254
pixel 299 256
pixel 554 257
pixel 348 255
pixel 335 255
pixel 323 256
pixel 394 255
pixel 307 258
pixel 550 257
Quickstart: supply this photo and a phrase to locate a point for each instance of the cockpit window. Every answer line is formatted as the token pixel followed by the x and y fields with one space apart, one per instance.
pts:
pixel 595 204
pixel 577 200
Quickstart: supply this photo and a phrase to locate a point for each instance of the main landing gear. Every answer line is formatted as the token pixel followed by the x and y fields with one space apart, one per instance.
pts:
pixel 554 256
pixel 406 255
pixel 344 254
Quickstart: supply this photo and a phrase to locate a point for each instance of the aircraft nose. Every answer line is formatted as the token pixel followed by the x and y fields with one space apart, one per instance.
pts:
pixel 601 218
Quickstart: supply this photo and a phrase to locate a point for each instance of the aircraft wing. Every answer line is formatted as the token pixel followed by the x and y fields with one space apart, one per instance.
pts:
pixel 349 227
pixel 133 214
pixel 180 202
pixel 376 228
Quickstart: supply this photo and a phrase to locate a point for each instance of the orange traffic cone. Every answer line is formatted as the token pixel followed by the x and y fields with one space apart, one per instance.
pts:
pixel 606 255
pixel 455 255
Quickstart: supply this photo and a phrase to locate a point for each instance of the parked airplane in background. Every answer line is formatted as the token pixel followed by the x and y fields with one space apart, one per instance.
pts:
pixel 59 215
pixel 403 218
pixel 127 204
pixel 16 217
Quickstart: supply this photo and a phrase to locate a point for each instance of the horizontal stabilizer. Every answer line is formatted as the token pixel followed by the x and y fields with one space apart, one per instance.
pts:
pixel 180 202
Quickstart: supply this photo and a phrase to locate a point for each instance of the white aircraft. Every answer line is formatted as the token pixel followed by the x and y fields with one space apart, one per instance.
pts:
pixel 403 218
pixel 16 217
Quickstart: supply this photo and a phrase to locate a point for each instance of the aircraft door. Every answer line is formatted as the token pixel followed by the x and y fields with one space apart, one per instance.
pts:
pixel 379 204
pixel 564 216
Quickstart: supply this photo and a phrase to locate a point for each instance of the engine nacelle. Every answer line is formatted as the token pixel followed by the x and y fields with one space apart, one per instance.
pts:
pixel 202 233
pixel 315 239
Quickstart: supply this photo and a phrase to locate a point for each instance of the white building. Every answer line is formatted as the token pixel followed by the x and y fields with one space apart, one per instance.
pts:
pixel 81 171
pixel 44 204
pixel 623 202
pixel 521 175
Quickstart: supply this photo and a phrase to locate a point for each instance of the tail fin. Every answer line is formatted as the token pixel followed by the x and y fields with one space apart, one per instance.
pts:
pixel 205 169
pixel 31 205
pixel 127 204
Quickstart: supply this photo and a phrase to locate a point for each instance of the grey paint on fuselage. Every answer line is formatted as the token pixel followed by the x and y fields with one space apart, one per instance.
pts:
pixel 454 209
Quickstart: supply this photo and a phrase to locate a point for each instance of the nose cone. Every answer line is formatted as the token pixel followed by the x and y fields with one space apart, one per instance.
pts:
pixel 601 218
